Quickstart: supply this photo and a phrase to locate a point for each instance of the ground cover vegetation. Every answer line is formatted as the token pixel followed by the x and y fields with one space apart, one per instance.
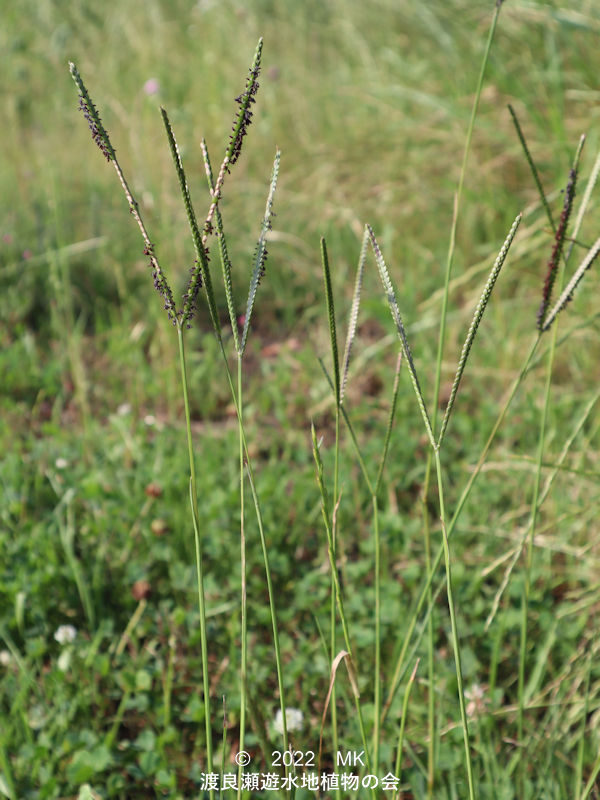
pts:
pixel 397 543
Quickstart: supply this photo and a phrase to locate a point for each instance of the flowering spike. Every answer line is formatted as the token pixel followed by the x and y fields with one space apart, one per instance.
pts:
pixel 244 115
pixel 90 112
pixel 559 239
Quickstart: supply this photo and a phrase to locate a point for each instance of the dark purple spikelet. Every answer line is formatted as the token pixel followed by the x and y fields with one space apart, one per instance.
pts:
pixel 261 256
pixel 160 283
pixel 190 297
pixel 93 120
pixel 557 248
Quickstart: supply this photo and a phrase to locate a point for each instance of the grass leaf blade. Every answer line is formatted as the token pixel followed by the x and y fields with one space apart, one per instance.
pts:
pixel 331 319
pixel 532 167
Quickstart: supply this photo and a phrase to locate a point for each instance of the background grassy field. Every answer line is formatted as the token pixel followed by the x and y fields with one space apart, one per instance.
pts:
pixel 369 103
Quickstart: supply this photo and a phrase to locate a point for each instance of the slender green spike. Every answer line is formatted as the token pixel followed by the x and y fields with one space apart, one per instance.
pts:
pixel 546 319
pixel 260 253
pixel 567 294
pixel 90 112
pixel 354 313
pixel 226 267
pixel 587 195
pixel 480 308
pixel 395 311
pixel 533 168
pixel 331 318
pixel 557 249
pixel 100 136
pixel 200 273
pixel 244 115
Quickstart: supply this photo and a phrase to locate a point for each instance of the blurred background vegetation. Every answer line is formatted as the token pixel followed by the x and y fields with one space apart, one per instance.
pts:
pixel 369 103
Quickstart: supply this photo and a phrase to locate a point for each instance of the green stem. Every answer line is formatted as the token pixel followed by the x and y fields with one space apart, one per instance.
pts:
pixel 455 641
pixel 263 545
pixel 334 598
pixel 377 677
pixel 244 608
pixel 401 661
pixel 198 546
pixel 430 637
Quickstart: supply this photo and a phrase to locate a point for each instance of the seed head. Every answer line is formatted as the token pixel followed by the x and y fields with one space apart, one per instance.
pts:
pixel 557 249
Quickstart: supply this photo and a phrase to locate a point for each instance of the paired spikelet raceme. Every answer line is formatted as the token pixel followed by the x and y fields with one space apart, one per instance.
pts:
pixel 557 249
pixel 395 312
pixel 199 273
pixel 477 316
pixel 244 114
pixel 546 317
pixel 101 138
pixel 567 294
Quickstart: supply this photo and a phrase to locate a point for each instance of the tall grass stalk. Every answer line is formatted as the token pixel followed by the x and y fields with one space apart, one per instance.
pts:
pixel 245 464
pixel 436 445
pixel 405 655
pixel 437 383
pixel 338 386
pixel 328 514
pixel 407 691
pixel 200 276
pixel 560 233
pixel 197 548
pixel 333 600
pixel 101 138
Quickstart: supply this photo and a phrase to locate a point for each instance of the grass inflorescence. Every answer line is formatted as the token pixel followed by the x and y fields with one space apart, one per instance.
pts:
pixel 355 559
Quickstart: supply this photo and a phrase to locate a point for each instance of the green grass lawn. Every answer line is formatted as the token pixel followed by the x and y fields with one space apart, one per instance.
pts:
pixel 370 105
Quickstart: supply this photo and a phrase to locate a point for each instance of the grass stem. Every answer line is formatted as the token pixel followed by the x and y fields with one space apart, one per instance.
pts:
pixel 198 548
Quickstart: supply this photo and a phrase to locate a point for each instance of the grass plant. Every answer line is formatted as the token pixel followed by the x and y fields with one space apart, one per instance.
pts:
pixel 140 647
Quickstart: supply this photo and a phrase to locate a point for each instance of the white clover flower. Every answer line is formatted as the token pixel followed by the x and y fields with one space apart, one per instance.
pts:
pixel 478 701
pixel 61 463
pixel 65 634
pixel 5 658
pixel 293 717
pixel 64 659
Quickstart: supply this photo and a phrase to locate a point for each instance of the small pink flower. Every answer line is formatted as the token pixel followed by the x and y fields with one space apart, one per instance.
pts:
pixel 26 254
pixel 7 238
pixel 152 86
